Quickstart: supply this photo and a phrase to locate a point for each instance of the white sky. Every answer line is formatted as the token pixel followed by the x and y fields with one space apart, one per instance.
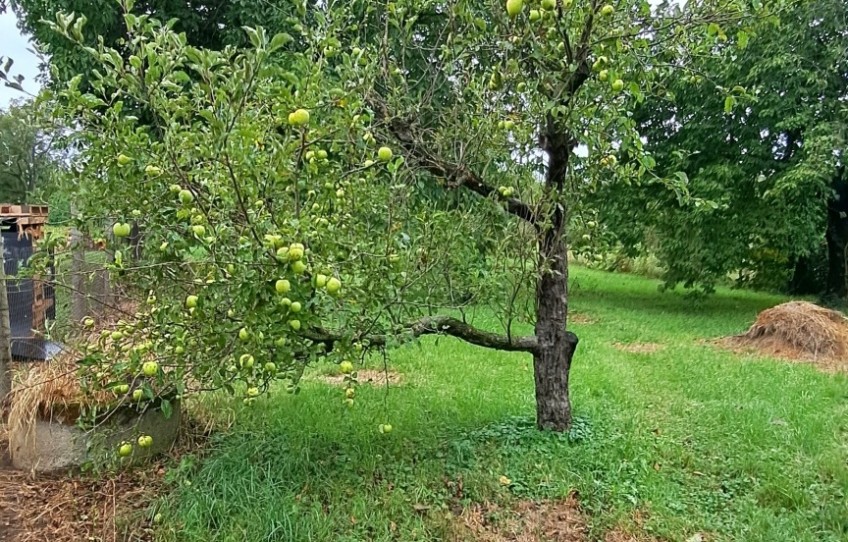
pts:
pixel 14 45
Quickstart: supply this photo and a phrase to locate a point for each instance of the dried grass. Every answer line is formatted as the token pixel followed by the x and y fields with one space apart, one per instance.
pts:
pixel 527 521
pixel 106 508
pixel 369 377
pixel 639 348
pixel 798 331
pixel 580 318
pixel 51 390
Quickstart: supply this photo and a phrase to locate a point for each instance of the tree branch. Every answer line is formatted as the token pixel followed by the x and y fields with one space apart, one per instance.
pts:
pixel 438 325
pixel 456 175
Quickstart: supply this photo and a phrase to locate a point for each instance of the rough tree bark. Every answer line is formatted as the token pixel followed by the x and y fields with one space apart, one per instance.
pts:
pixel 556 345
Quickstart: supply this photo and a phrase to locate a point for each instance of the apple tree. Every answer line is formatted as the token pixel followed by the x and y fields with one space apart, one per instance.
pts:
pixel 402 165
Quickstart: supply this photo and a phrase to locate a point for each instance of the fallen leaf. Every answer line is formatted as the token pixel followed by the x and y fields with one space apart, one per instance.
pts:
pixel 504 481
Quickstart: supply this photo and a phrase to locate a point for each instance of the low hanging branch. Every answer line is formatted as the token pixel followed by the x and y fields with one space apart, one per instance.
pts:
pixel 439 325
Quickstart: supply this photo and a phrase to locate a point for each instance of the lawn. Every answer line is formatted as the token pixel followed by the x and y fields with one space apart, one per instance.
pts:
pixel 681 441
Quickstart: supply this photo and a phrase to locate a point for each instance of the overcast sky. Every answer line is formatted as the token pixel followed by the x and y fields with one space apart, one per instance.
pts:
pixel 13 45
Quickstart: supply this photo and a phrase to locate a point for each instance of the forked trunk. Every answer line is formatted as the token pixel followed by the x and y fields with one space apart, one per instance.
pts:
pixel 555 346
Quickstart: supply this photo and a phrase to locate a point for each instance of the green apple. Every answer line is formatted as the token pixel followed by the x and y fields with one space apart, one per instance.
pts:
pixel 321 154
pixel 295 306
pixel 603 75
pixel 535 15
pixel 252 392
pixel 299 117
pixel 368 163
pixel 153 171
pixel 191 301
pixel 346 367
pixel 198 230
pixel 175 188
pixel 150 368
pixel 549 5
pixel 145 441
pixel 271 367
pixel 349 393
pixel 295 324
pixel 186 197
pixel 246 361
pixel 333 285
pixel 88 322
pixel 320 280
pixel 298 267
pixel 117 335
pixel 285 302
pixel 514 7
pixel 121 230
pixel 244 334
pixel 125 449
pixel 282 286
pixel 618 85
pixel 122 389
pixel 384 154
pixel 137 395
pixel 281 342
pixel 123 159
pixel 295 252
pixel 348 403
pixel 607 10
pixel 179 350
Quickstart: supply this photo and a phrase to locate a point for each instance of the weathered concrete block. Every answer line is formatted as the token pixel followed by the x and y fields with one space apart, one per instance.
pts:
pixel 52 445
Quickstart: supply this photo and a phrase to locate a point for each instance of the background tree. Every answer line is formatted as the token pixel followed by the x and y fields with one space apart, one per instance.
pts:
pixel 286 187
pixel 26 155
pixel 759 131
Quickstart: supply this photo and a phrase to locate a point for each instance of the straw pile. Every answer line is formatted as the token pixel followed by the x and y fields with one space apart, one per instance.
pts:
pixel 799 331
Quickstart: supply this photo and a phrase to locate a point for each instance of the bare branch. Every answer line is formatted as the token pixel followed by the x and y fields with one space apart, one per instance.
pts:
pixel 439 325
pixel 456 175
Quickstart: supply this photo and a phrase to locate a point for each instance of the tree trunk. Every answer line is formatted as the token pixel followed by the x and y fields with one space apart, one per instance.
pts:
pixel 555 346
pixel 837 238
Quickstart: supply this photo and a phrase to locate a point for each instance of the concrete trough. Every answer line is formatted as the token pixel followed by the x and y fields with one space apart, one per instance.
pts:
pixel 50 445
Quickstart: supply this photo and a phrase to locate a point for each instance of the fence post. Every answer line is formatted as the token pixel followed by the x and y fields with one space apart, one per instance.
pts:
pixel 5 327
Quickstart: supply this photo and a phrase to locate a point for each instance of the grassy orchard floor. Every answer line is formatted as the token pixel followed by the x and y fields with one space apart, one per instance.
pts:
pixel 688 439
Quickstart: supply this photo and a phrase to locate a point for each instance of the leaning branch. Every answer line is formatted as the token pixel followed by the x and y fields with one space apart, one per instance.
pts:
pixel 455 175
pixel 438 325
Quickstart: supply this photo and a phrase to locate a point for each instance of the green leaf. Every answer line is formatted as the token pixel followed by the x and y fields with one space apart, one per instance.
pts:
pixel 167 409
pixel 729 102
pixel 742 39
pixel 279 40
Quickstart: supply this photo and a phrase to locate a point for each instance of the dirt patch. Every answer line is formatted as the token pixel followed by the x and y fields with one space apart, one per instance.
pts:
pixel 618 535
pixel 581 318
pixel 369 377
pixel 70 508
pixel 797 331
pixel 527 521
pixel 640 348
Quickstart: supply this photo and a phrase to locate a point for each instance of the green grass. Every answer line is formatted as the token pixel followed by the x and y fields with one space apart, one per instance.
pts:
pixel 690 438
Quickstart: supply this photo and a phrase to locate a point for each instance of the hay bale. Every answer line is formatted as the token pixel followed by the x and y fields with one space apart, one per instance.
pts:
pixel 800 331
